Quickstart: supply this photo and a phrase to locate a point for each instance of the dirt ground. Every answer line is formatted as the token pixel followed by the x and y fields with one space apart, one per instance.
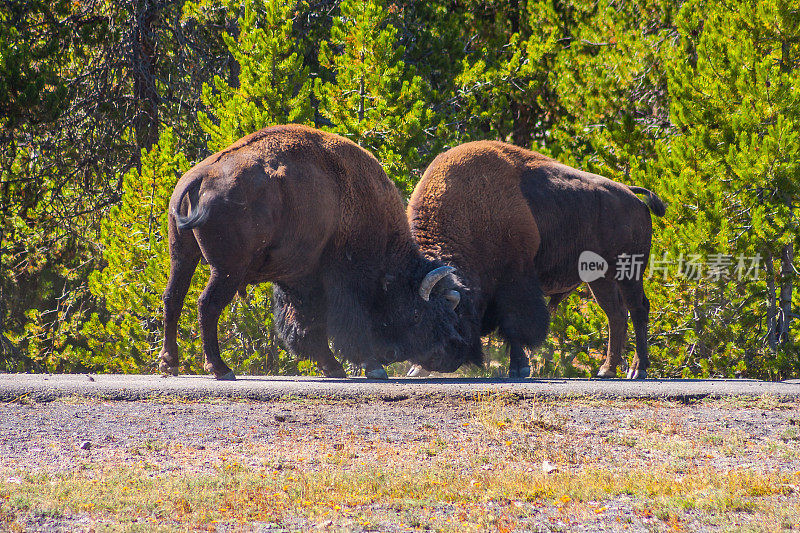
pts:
pixel 491 463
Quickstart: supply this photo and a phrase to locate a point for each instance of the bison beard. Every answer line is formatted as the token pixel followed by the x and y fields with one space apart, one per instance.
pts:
pixel 315 214
pixel 514 223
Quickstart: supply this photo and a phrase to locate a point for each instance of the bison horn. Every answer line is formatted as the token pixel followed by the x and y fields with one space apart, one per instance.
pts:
pixel 454 297
pixel 433 277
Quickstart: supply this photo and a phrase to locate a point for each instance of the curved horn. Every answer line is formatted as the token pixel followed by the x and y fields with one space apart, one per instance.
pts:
pixel 454 297
pixel 433 277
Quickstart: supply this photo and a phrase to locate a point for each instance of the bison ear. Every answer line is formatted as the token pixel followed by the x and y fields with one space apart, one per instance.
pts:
pixel 453 297
pixel 386 281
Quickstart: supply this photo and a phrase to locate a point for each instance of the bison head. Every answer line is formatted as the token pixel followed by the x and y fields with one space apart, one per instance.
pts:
pixel 421 315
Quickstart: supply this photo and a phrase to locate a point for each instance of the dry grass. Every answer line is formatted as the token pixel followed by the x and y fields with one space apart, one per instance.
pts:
pixel 500 411
pixel 239 495
pixel 509 465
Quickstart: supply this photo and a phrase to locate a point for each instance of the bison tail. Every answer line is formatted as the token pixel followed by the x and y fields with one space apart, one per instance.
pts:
pixel 651 200
pixel 195 217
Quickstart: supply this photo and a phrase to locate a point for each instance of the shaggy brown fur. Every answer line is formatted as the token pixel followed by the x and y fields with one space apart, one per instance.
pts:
pixel 315 214
pixel 514 223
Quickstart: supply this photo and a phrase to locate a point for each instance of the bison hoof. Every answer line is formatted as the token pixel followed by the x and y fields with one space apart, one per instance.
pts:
pixel 417 371
pixel 376 373
pixel 606 373
pixel 637 374
pixel 228 376
pixel 519 373
pixel 167 370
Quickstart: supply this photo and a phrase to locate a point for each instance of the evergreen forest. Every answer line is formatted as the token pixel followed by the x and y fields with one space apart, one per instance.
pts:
pixel 104 105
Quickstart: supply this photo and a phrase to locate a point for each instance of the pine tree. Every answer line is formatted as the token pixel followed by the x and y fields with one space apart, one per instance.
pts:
pixel 736 104
pixel 273 88
pixel 376 99
pixel 504 87
pixel 53 176
pixel 273 85
pixel 137 257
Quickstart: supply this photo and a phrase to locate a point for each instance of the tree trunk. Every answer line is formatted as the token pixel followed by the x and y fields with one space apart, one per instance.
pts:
pixel 521 115
pixel 772 311
pixel 513 11
pixel 785 316
pixel 787 253
pixel 362 95
pixel 6 347
pixel 4 215
pixel 232 27
pixel 698 350
pixel 144 60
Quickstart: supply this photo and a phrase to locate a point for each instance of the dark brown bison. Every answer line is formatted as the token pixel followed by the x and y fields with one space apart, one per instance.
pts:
pixel 315 214
pixel 515 223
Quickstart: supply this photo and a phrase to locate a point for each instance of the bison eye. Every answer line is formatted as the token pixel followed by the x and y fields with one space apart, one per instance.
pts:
pixel 417 316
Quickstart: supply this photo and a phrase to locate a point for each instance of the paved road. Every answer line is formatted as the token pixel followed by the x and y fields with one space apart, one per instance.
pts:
pixel 43 387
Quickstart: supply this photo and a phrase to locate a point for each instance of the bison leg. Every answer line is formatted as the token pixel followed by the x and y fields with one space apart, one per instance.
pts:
pixel 607 295
pixel 184 255
pixel 556 299
pixel 300 320
pixel 519 366
pixel 639 307
pixel 217 295
pixel 552 306
pixel 523 320
pixel 314 345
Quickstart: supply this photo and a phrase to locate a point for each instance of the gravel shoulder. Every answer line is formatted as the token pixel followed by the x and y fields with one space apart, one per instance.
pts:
pixel 44 387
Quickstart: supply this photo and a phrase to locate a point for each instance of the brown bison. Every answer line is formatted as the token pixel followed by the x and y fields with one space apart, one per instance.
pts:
pixel 515 223
pixel 316 215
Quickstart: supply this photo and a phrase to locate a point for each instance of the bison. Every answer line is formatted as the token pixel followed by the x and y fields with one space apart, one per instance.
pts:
pixel 514 223
pixel 316 215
